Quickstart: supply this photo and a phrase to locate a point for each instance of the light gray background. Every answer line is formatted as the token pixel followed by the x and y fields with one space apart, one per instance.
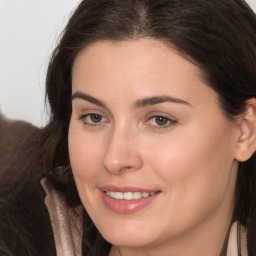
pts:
pixel 29 30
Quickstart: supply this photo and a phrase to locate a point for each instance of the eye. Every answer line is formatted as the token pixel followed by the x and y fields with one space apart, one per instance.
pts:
pixel 93 119
pixel 160 121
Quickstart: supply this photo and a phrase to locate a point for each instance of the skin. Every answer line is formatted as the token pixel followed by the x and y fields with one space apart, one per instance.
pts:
pixel 190 160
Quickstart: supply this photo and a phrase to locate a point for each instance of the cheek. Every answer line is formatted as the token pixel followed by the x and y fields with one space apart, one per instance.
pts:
pixel 84 153
pixel 185 156
pixel 196 169
pixel 85 159
pixel 197 180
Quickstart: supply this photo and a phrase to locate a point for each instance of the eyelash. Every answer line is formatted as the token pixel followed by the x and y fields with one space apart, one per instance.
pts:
pixel 91 123
pixel 165 126
pixel 83 119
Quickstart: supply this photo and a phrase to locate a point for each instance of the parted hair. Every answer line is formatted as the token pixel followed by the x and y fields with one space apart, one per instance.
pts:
pixel 218 36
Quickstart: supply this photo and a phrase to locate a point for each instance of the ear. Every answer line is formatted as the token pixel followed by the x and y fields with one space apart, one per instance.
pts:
pixel 246 144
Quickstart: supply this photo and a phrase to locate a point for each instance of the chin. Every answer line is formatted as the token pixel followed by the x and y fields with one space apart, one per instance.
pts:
pixel 127 236
pixel 126 240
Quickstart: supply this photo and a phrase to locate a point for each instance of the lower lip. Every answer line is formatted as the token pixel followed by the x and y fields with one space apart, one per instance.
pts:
pixel 127 206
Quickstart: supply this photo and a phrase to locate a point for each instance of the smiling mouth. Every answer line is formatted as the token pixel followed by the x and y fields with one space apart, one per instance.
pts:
pixel 129 195
pixel 127 200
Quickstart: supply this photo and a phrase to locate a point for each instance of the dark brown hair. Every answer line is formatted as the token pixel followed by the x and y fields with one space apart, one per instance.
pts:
pixel 218 36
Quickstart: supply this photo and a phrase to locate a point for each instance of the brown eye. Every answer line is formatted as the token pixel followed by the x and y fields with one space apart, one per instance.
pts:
pixel 161 120
pixel 95 118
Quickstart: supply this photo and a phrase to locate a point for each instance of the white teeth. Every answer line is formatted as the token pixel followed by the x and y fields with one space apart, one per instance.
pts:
pixel 145 194
pixel 129 195
pixel 137 195
pixel 119 195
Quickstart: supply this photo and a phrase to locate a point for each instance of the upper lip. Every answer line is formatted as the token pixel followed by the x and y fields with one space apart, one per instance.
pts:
pixel 125 189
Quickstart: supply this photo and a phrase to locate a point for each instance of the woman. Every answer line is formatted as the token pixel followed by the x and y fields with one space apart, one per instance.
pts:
pixel 150 149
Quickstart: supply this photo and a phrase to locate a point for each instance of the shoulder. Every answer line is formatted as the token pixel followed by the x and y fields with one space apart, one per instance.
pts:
pixel 19 147
pixel 25 227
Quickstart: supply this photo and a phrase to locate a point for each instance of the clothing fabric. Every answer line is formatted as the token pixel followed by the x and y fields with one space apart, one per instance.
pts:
pixel 25 226
pixel 67 225
pixel 234 238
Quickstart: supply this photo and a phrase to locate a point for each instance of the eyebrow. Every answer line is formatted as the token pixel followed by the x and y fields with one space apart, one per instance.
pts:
pixel 149 101
pixel 86 97
pixel 159 99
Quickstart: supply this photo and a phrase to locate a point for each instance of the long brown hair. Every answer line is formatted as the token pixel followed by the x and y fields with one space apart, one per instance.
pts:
pixel 218 36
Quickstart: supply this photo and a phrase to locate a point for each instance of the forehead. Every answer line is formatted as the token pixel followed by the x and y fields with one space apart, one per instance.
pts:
pixel 142 53
pixel 144 65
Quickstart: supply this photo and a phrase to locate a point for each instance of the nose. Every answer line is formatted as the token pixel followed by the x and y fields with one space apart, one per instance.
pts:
pixel 122 153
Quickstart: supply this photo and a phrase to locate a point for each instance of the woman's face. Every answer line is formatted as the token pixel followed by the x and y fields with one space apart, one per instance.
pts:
pixel 152 154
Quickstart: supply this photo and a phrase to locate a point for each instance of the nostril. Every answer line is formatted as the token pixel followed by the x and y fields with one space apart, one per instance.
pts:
pixel 126 168
pixel 117 160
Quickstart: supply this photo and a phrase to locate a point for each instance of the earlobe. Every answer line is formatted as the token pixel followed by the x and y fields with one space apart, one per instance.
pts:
pixel 246 144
